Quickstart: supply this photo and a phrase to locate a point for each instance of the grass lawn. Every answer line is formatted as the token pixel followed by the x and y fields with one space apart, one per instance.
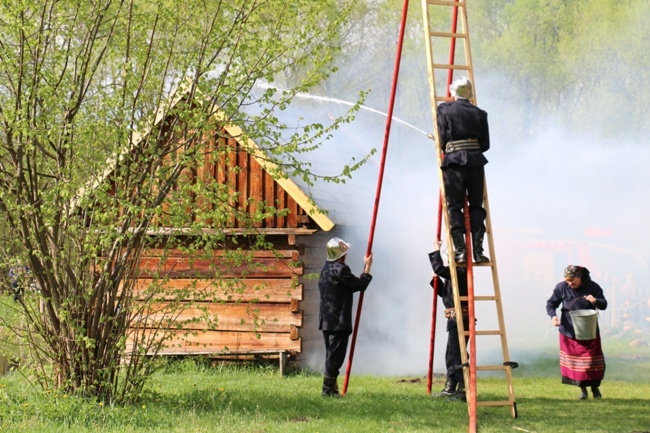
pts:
pixel 197 397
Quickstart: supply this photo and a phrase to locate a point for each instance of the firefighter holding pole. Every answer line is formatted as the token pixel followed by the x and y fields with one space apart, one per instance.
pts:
pixel 337 285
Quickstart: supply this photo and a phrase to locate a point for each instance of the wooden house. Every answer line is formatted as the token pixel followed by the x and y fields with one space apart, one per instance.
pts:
pixel 265 314
pixel 275 311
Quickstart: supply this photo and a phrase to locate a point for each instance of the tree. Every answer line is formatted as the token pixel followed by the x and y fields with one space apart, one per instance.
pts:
pixel 575 64
pixel 102 105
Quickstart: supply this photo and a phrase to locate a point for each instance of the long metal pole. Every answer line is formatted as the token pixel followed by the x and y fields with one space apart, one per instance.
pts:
pixel 380 179
pixel 434 309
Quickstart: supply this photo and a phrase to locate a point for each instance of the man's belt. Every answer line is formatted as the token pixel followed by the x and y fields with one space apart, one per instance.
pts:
pixel 469 144
pixel 450 313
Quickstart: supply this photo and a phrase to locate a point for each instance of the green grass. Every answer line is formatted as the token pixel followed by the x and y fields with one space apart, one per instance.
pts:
pixel 196 397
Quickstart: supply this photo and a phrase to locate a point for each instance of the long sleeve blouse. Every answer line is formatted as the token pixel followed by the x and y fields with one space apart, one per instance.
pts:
pixel 574 299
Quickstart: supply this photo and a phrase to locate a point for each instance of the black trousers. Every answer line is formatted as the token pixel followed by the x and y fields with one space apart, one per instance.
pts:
pixel 452 354
pixel 461 181
pixel 336 347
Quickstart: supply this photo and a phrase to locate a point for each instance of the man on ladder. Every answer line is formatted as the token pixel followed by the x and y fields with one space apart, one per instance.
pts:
pixel 464 136
pixel 455 383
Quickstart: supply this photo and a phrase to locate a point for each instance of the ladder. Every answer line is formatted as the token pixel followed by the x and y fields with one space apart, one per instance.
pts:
pixel 438 38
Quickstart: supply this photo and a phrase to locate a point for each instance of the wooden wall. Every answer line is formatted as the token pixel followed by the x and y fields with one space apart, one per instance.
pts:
pixel 265 314
pixel 257 313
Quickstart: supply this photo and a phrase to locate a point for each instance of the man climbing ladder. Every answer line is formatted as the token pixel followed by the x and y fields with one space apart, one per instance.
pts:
pixel 461 136
pixel 464 136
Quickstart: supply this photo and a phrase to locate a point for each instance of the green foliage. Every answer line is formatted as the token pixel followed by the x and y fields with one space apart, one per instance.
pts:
pixel 104 107
pixel 574 63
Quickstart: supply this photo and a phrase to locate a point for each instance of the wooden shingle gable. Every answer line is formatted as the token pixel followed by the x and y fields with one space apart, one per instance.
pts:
pixel 251 177
pixel 294 193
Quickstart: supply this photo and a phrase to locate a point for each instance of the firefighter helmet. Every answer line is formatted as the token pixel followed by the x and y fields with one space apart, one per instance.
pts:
pixel 461 88
pixel 336 248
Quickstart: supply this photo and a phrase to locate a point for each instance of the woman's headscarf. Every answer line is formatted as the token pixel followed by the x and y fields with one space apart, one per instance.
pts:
pixel 574 271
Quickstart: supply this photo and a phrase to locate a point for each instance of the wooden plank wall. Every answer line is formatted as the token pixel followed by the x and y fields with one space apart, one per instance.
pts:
pixel 248 185
pixel 265 315
pixel 259 313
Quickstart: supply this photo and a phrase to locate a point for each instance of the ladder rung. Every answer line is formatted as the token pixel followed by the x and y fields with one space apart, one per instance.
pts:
pixel 479 298
pixel 482 264
pixel 447 35
pixel 490 367
pixel 484 332
pixel 494 403
pixel 444 98
pixel 458 67
pixel 445 3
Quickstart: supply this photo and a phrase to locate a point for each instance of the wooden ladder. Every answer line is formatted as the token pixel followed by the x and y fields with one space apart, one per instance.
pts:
pixel 439 39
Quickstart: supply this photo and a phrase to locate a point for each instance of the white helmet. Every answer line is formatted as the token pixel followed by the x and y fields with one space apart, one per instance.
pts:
pixel 336 248
pixel 461 88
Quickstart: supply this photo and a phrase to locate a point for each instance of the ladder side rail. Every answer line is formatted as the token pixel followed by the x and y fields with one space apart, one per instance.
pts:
pixel 466 45
pixel 441 204
pixel 469 372
pixel 499 306
pixel 432 92
pixel 439 155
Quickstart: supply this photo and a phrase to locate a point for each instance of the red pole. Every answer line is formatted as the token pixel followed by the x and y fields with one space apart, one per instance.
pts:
pixel 471 398
pixel 452 48
pixel 434 310
pixel 371 236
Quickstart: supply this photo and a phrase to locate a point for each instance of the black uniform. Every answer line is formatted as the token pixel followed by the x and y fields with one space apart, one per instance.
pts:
pixel 463 170
pixel 336 286
pixel 452 355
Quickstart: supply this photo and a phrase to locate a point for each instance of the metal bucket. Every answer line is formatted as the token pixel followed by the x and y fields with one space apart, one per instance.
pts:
pixel 585 323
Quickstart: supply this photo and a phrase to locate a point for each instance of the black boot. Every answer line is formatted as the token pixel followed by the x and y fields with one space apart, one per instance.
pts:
pixel 583 393
pixel 477 247
pixel 596 392
pixel 460 392
pixel 330 387
pixel 460 251
pixel 449 390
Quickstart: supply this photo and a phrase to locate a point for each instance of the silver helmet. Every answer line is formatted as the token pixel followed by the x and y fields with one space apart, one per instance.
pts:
pixel 336 248
pixel 461 88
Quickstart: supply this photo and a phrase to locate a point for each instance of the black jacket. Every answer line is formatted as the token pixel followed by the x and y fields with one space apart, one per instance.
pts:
pixel 461 120
pixel 446 291
pixel 570 299
pixel 336 286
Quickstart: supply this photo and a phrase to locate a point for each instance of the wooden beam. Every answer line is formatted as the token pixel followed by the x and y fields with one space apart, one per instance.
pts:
pixel 176 231
pixel 181 267
pixel 218 342
pixel 261 318
pixel 241 290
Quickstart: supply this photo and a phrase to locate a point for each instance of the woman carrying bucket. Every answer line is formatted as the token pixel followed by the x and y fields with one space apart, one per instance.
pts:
pixel 581 356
